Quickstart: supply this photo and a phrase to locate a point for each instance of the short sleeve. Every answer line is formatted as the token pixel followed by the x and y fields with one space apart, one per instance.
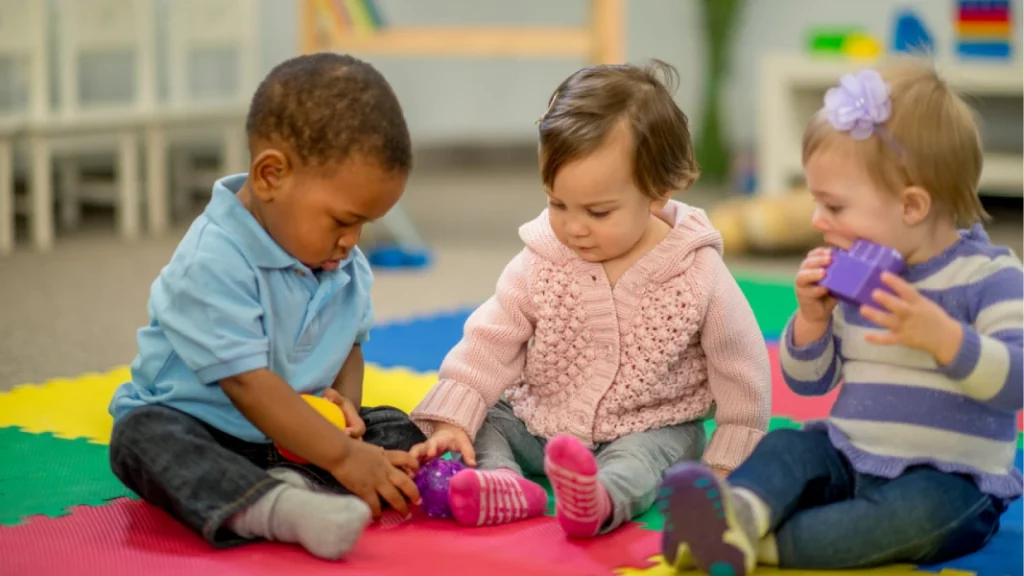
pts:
pixel 209 309
pixel 365 323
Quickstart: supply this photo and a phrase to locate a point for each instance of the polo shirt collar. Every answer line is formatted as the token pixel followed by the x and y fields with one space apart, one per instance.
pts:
pixel 226 211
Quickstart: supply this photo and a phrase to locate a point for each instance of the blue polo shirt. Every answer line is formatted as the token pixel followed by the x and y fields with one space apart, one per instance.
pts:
pixel 231 300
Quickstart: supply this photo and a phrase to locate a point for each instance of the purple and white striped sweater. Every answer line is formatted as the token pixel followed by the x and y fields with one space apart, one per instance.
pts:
pixel 897 407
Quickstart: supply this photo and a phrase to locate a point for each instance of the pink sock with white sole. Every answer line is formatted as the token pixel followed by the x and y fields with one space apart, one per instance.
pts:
pixel 582 503
pixel 486 497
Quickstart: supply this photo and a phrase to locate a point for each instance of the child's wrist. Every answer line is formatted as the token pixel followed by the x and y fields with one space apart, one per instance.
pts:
pixel 807 332
pixel 948 343
pixel 342 450
pixel 441 426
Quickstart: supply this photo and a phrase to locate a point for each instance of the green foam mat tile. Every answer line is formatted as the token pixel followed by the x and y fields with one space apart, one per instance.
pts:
pixel 44 475
pixel 773 303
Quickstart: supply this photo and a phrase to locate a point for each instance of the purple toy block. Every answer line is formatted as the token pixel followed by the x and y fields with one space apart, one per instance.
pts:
pixel 853 275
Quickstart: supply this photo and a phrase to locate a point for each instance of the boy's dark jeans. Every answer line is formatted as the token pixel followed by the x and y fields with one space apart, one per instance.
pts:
pixel 203 476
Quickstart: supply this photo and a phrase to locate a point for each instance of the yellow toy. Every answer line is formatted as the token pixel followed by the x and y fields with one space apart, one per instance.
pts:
pixel 328 410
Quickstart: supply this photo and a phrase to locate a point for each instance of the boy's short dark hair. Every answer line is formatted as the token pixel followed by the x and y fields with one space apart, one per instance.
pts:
pixel 588 104
pixel 328 107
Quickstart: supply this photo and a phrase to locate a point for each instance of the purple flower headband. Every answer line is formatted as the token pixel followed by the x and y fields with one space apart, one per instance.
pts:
pixel 860 105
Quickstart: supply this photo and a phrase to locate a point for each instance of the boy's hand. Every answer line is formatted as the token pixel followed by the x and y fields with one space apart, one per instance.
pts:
pixel 354 425
pixel 913 321
pixel 370 473
pixel 446 437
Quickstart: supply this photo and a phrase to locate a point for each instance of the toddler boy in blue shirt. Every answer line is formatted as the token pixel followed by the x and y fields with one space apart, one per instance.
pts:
pixel 267 297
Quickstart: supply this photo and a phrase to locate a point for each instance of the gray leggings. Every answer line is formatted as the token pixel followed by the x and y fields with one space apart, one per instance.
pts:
pixel 630 468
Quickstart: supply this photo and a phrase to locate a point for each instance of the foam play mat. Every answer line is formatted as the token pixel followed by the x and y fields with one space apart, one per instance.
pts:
pixel 63 513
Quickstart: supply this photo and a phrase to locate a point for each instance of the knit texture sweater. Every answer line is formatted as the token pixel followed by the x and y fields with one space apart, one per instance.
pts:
pixel 673 341
pixel 897 407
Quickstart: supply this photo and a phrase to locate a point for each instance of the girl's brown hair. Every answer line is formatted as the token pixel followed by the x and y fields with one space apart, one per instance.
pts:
pixel 586 107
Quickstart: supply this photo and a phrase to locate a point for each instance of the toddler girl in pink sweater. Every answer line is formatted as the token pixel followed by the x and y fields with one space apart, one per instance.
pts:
pixel 611 336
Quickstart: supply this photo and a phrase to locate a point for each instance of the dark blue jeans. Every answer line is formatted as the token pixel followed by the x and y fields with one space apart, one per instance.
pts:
pixel 202 476
pixel 827 516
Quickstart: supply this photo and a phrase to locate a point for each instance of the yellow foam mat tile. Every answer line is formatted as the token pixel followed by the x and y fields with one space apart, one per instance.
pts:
pixel 398 387
pixel 660 568
pixel 77 407
pixel 66 407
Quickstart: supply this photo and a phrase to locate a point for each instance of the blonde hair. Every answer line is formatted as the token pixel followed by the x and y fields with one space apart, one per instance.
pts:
pixel 931 140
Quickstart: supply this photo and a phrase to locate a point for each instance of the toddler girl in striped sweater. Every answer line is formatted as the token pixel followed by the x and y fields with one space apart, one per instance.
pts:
pixel 915 462
pixel 612 336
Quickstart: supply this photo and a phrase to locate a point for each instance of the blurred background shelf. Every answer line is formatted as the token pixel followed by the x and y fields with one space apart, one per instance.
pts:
pixel 792 87
pixel 327 26
pixel 484 42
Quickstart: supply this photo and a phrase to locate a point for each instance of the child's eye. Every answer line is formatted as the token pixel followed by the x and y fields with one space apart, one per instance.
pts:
pixel 556 205
pixel 598 215
pixel 833 209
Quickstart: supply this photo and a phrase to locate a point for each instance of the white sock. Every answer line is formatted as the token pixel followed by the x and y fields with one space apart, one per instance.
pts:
pixel 326 525
pixel 758 509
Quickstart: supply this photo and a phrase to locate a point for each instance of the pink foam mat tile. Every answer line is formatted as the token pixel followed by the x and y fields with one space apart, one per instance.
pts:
pixel 127 538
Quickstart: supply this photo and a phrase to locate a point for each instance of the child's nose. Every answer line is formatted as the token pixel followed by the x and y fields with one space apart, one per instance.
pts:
pixel 576 228
pixel 820 220
pixel 350 238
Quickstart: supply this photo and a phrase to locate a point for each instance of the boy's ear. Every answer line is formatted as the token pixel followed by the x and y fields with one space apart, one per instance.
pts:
pixel 270 169
pixel 917 205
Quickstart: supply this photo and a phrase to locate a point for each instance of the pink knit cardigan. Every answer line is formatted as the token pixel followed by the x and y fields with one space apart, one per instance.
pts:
pixel 674 340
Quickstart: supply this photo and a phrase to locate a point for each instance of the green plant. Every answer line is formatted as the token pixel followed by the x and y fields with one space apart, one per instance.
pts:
pixel 713 153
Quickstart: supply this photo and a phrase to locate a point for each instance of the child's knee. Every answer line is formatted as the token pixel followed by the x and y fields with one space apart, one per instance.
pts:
pixel 501 420
pixel 782 436
pixel 789 440
pixel 382 415
pixel 390 428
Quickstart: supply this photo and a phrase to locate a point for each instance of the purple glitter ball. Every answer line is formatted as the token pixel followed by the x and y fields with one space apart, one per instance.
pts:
pixel 432 481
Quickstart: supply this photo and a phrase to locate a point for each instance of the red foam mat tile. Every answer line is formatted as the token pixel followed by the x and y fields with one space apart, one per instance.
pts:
pixel 127 538
pixel 786 403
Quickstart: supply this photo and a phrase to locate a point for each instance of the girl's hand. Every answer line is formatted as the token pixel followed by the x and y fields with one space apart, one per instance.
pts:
pixel 815 304
pixel 913 320
pixel 814 301
pixel 446 438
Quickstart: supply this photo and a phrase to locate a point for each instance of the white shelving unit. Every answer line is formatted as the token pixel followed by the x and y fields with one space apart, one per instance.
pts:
pixel 792 88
